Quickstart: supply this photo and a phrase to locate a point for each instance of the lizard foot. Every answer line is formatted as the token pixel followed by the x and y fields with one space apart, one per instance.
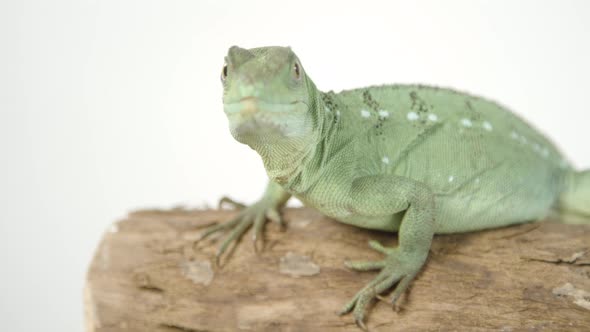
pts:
pixel 398 267
pixel 255 215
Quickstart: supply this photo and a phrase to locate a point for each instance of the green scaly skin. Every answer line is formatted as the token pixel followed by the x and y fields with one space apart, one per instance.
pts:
pixel 411 159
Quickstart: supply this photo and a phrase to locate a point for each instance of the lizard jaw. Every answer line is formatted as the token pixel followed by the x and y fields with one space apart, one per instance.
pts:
pixel 252 119
pixel 251 125
pixel 252 105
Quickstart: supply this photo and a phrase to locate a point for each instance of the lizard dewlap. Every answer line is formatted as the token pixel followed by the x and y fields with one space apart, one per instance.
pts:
pixel 411 159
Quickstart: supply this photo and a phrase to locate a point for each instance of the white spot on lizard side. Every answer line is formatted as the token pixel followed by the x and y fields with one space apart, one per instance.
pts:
pixel 383 113
pixel 451 178
pixel 413 116
pixel 466 122
pixel 365 113
pixel 487 126
pixel 432 117
pixel 385 160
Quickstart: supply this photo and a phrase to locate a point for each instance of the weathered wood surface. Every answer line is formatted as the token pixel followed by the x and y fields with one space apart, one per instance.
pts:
pixel 148 276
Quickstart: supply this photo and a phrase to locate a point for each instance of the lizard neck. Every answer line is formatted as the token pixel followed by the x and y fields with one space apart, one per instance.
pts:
pixel 283 160
pixel 287 162
pixel 308 169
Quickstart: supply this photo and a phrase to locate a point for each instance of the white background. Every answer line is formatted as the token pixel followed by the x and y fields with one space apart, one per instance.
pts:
pixel 108 106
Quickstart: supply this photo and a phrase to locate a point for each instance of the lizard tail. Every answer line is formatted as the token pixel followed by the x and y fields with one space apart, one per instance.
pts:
pixel 575 199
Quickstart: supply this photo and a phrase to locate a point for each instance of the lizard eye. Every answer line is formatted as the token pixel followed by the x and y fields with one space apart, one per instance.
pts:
pixel 297 71
pixel 224 72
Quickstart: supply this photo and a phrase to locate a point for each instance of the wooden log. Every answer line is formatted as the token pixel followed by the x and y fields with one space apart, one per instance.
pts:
pixel 147 275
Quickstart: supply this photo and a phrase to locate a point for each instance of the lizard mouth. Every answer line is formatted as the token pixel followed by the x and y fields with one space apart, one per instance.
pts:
pixel 259 128
pixel 251 105
pixel 255 125
pixel 252 119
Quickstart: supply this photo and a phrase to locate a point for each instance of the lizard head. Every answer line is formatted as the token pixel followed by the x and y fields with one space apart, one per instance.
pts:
pixel 266 96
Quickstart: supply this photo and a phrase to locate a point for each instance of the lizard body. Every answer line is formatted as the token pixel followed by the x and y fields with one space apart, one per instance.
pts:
pixel 469 151
pixel 412 159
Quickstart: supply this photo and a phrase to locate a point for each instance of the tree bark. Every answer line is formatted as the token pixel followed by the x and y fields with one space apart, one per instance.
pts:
pixel 148 275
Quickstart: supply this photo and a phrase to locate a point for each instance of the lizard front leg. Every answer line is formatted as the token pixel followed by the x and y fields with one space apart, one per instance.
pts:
pixel 376 196
pixel 256 215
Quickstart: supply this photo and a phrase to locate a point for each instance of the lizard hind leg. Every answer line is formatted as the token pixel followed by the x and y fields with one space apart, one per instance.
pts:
pixel 575 197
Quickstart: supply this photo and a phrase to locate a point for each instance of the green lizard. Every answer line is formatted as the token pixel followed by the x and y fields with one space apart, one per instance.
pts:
pixel 411 159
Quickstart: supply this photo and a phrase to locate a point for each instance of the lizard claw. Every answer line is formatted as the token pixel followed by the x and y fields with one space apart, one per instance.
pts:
pixel 347 308
pixel 226 200
pixel 217 259
pixel 258 243
pixel 258 236
pixel 254 215
pixel 361 324
pixel 397 270
pixel 275 216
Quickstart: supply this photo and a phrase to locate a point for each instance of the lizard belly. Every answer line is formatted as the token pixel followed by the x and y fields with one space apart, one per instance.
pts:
pixel 381 223
pixel 498 198
pixel 335 208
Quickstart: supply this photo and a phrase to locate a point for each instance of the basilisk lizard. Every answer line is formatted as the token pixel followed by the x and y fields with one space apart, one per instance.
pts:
pixel 411 159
